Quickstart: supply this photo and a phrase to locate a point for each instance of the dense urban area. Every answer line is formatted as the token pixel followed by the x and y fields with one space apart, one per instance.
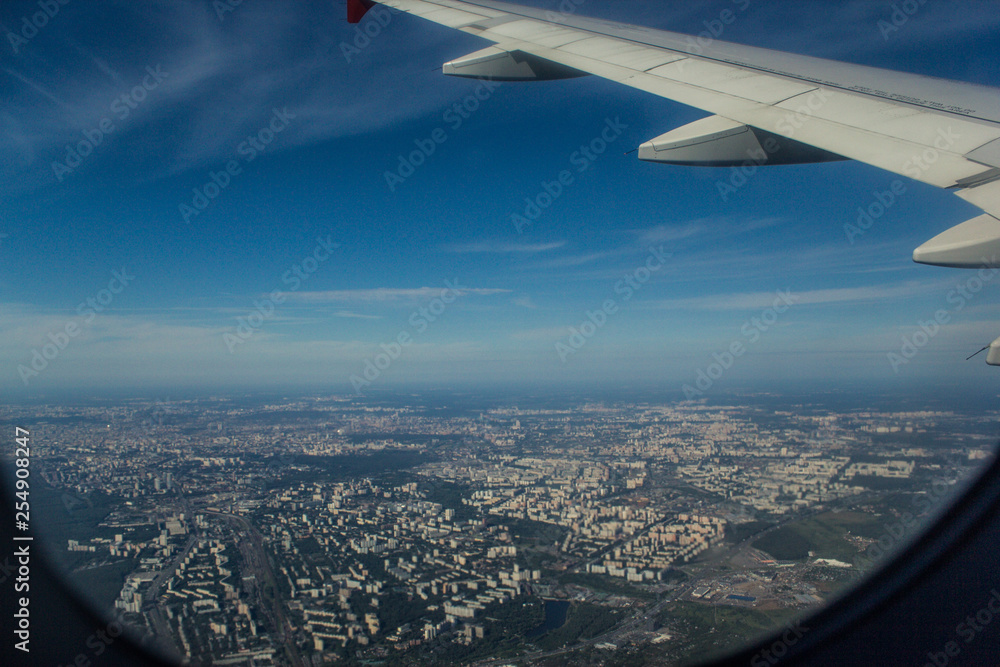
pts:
pixel 349 530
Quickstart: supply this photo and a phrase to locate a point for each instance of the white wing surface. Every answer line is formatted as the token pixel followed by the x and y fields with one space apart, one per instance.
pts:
pixel 771 107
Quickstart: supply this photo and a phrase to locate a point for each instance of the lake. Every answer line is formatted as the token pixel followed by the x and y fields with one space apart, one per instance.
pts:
pixel 555 617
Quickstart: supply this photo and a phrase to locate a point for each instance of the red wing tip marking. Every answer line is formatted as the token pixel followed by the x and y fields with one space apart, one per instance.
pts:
pixel 357 9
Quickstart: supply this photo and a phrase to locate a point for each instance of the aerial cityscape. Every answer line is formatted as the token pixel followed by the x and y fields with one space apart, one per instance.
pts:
pixel 356 333
pixel 413 529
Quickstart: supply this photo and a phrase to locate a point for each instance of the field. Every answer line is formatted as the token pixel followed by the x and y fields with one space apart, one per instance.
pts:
pixel 605 584
pixel 823 535
pixel 720 629
pixel 584 620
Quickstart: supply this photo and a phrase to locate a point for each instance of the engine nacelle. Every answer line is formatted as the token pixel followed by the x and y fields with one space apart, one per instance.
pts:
pixel 497 64
pixel 720 142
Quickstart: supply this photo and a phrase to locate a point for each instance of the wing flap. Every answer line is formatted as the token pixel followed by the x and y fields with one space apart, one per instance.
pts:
pixel 533 33
pixel 986 197
pixel 743 84
pixel 644 59
pixel 988 154
pixel 927 128
pixel 597 47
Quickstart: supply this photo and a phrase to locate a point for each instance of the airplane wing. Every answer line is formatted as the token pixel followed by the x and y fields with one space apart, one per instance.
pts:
pixel 770 107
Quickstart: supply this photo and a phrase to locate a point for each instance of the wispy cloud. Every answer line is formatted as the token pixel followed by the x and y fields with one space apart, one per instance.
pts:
pixel 387 294
pixel 525 302
pixel 758 300
pixel 572 260
pixel 548 334
pixel 36 87
pixel 666 233
pixel 349 314
pixel 221 88
pixel 502 247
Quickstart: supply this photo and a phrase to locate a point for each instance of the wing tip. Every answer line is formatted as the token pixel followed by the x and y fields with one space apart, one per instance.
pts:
pixel 356 9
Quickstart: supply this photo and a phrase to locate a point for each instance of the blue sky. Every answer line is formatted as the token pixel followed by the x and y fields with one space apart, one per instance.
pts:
pixel 250 293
